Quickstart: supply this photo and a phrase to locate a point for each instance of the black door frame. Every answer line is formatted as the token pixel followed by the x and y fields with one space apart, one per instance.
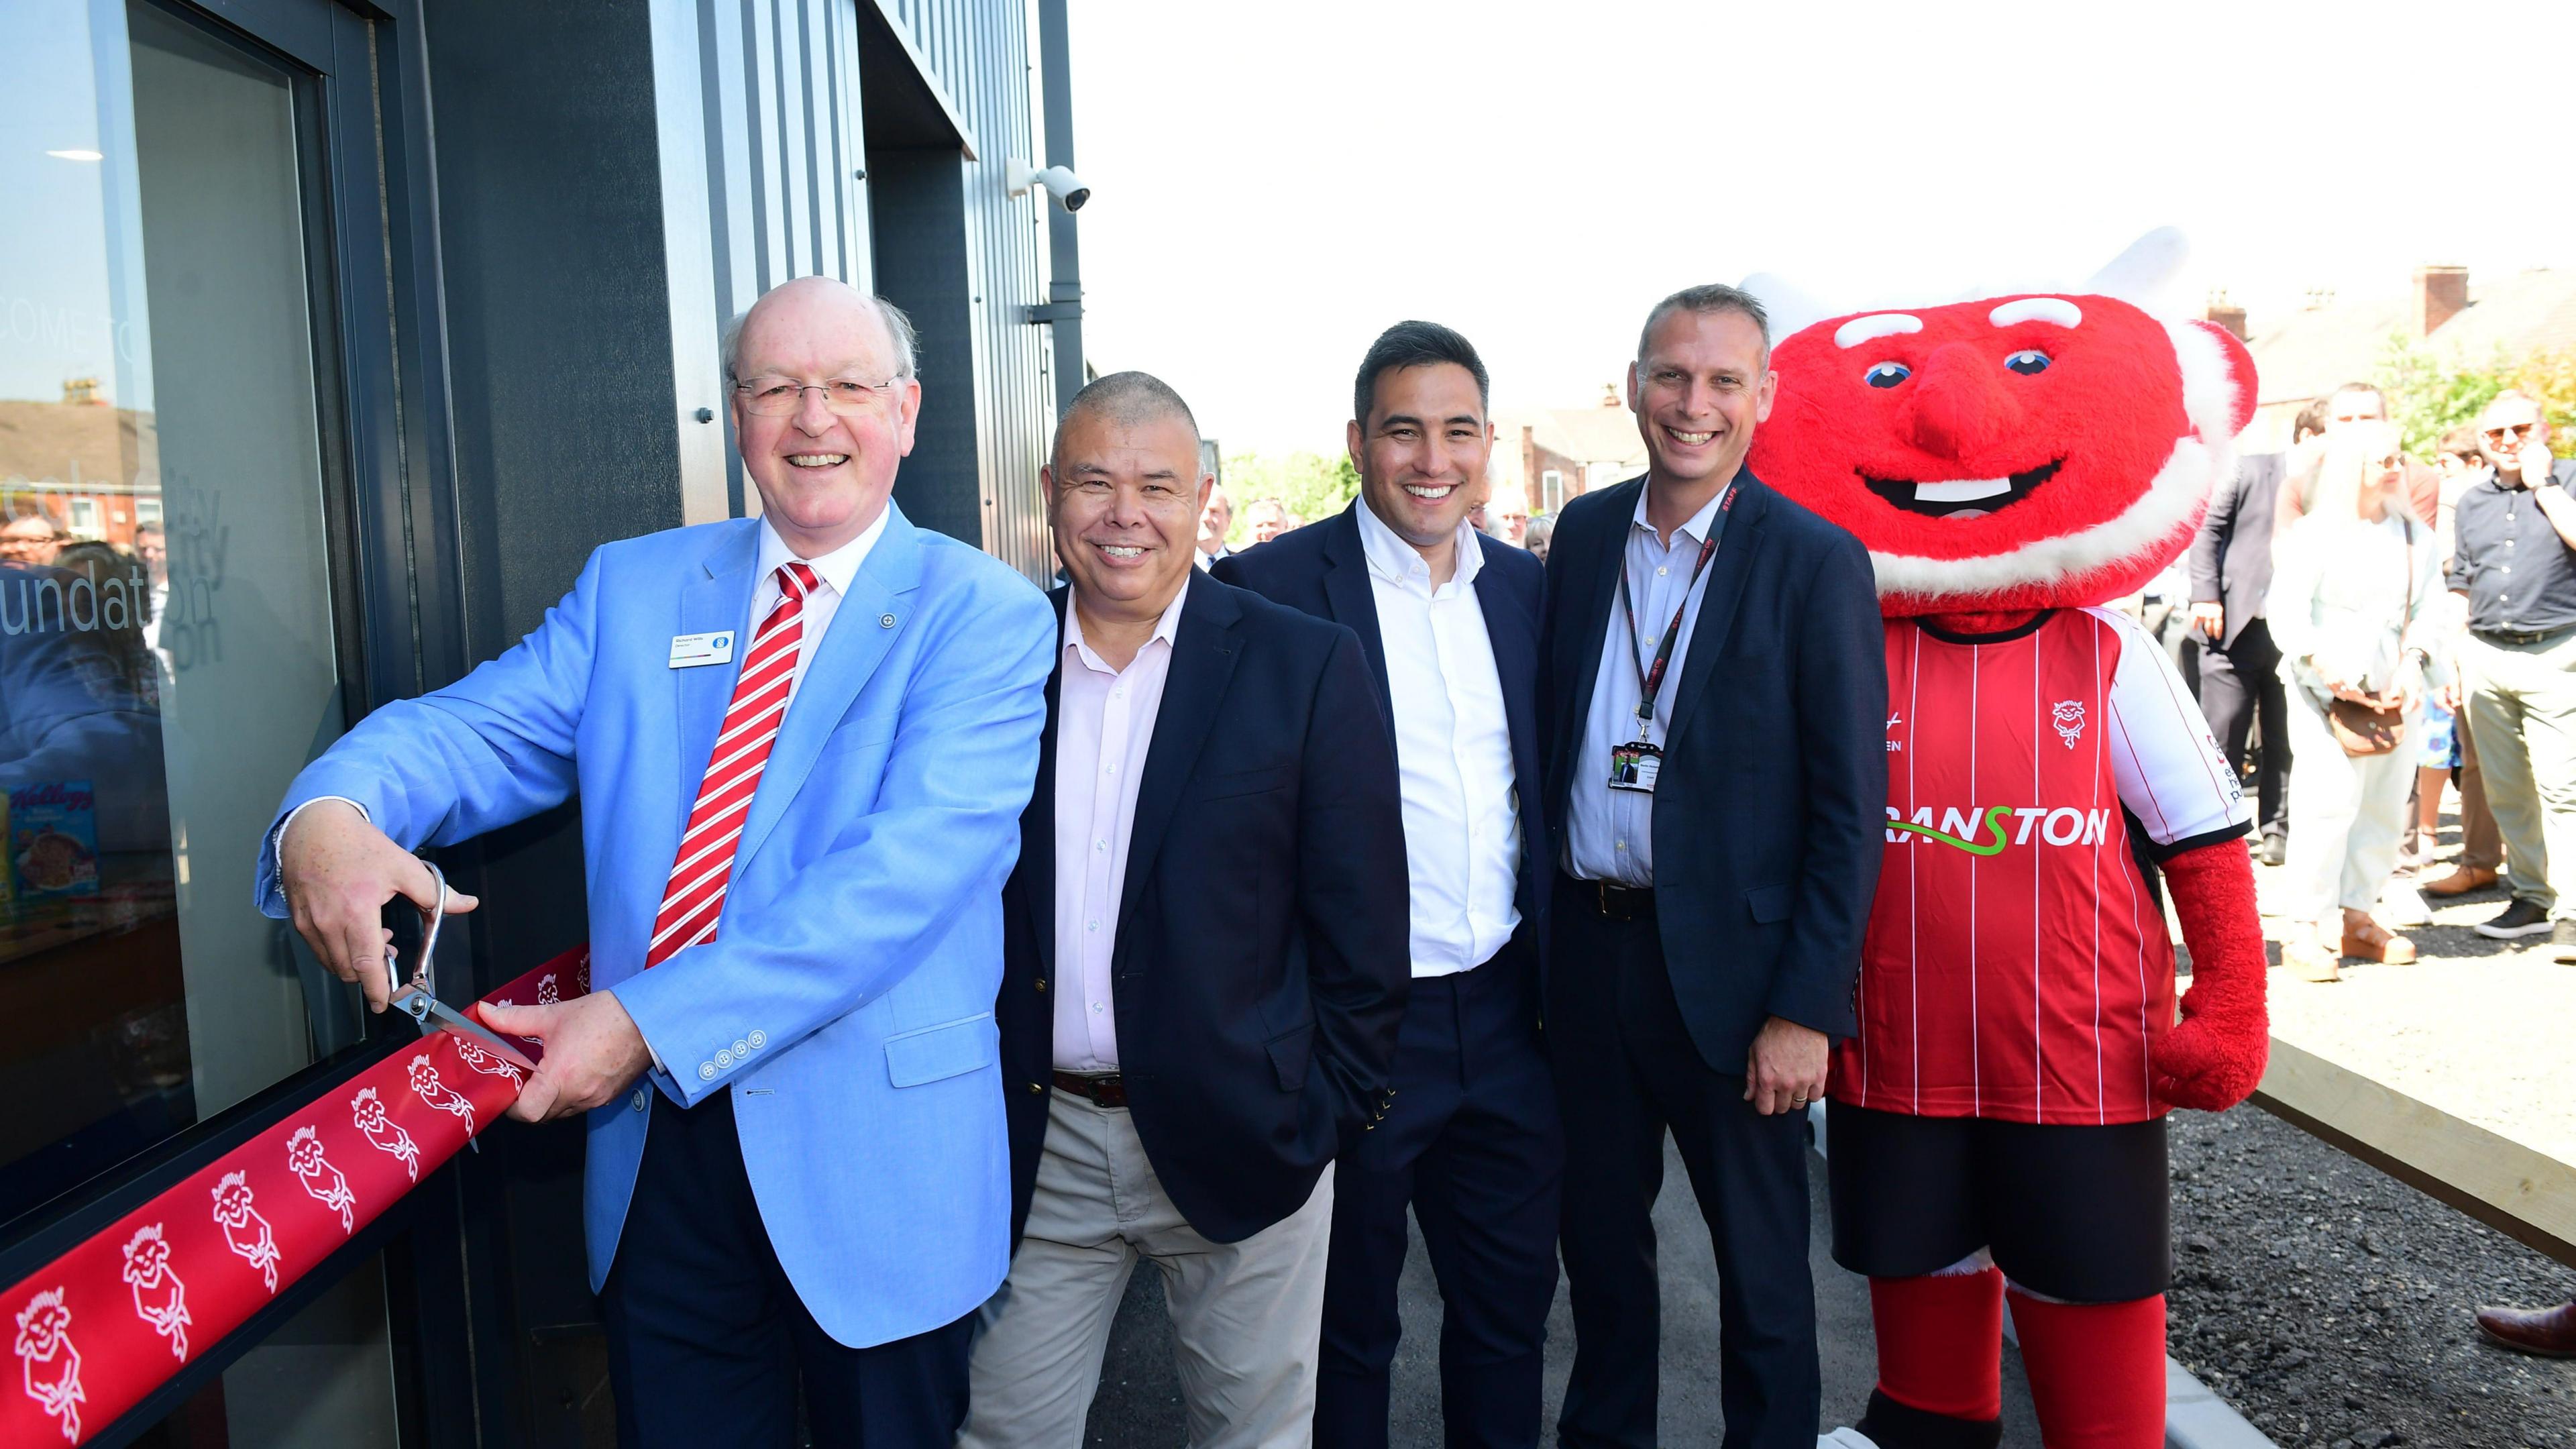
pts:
pixel 365 136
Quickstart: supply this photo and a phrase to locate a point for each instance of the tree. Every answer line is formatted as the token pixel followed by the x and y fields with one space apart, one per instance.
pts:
pixel 1313 487
pixel 2430 392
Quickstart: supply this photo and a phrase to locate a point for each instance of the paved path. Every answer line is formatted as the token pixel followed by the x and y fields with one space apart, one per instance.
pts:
pixel 1139 1403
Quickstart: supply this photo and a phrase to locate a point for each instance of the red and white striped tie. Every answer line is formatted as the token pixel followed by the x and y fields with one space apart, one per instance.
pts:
pixel 694 899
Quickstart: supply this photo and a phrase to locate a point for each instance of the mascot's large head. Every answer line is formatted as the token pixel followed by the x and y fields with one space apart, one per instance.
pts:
pixel 2022 451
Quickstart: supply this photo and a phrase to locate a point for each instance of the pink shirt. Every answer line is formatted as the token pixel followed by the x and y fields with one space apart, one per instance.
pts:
pixel 1104 724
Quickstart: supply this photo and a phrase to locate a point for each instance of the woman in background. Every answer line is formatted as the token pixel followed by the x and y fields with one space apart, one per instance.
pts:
pixel 2354 584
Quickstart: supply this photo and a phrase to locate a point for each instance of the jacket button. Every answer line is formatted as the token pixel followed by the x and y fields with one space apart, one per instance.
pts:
pixel 1036 1087
pixel 706 1071
pixel 1041 983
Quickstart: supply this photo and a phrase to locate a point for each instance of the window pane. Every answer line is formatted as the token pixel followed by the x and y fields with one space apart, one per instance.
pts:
pixel 323 1380
pixel 167 659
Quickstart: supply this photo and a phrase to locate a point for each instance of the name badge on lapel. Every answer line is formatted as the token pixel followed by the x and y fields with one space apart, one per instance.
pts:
pixel 688 651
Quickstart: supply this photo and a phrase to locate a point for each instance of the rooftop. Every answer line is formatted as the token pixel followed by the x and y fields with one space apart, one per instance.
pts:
pixel 2308 353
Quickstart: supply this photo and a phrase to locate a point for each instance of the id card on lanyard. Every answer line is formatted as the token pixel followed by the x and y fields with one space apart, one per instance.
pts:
pixel 1634 765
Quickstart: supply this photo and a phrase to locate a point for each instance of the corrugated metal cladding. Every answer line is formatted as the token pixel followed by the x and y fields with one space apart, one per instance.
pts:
pixel 787 143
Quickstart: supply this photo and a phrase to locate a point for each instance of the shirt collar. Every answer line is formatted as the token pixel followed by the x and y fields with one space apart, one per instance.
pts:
pixel 837 568
pixel 1391 558
pixel 1699 523
pixel 1167 629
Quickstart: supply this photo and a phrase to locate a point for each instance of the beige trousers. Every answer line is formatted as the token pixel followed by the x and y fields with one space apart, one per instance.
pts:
pixel 2522 707
pixel 1246 1316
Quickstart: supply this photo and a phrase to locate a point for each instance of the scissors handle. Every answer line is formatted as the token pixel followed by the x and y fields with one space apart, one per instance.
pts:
pixel 417 998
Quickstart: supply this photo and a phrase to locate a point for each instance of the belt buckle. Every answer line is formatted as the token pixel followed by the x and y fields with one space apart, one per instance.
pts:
pixel 1606 904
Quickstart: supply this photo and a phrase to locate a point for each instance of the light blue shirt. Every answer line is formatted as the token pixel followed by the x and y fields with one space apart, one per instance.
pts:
pixel 1610 834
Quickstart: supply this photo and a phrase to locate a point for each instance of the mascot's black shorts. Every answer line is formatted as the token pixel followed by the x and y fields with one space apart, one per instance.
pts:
pixel 2076 1213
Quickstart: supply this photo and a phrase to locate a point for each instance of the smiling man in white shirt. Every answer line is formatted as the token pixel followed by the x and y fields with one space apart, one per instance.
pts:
pixel 1450 622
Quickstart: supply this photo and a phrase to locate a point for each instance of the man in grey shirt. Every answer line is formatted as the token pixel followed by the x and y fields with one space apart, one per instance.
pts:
pixel 2515 559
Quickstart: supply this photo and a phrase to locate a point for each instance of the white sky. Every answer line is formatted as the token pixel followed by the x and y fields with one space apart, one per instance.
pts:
pixel 1276 183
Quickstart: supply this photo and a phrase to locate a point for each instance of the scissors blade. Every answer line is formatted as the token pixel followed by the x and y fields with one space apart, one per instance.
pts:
pixel 442 1017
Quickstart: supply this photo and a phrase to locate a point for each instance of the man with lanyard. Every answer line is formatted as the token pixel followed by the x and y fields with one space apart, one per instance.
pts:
pixel 1712 647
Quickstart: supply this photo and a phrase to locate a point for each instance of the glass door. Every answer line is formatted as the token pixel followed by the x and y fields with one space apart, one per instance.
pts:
pixel 178 627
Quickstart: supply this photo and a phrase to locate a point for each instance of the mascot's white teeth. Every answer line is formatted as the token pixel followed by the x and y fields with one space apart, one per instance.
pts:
pixel 1965 490
pixel 1961 498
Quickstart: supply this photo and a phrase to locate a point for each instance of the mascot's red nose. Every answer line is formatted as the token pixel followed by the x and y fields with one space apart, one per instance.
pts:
pixel 1960 407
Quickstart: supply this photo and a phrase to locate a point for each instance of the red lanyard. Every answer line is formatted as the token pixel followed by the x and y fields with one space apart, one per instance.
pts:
pixel 1650 679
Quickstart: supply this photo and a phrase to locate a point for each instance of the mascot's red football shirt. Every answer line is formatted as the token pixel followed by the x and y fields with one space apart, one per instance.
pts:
pixel 2016 966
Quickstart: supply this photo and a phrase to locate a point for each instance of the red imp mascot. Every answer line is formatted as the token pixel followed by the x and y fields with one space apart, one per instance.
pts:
pixel 1997 1126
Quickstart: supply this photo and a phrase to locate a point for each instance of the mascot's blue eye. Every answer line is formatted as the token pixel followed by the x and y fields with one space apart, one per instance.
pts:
pixel 1887 374
pixel 2027 362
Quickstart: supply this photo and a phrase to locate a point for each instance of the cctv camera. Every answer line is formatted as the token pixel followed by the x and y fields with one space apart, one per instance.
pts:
pixel 1059 181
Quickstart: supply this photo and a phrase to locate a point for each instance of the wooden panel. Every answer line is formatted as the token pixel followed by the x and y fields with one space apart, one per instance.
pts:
pixel 2500 1182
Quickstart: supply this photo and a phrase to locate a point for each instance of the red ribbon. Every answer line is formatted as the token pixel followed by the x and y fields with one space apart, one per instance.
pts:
pixel 105 1324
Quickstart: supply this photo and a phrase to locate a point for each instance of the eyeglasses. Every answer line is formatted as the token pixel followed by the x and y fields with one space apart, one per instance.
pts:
pixel 2515 431
pixel 776 397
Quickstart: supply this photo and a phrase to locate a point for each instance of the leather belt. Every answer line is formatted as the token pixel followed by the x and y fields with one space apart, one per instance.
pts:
pixel 1619 903
pixel 1107 1090
pixel 2520 636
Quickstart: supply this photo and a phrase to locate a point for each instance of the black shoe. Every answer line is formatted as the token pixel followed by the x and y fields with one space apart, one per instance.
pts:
pixel 2562 943
pixel 2276 848
pixel 2519 919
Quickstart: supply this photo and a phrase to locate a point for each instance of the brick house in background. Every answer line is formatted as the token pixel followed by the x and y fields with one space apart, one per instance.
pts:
pixel 2308 353
pixel 1553 454
pixel 91 467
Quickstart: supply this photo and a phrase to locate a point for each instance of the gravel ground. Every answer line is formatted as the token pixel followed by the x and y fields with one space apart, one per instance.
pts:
pixel 2330 1303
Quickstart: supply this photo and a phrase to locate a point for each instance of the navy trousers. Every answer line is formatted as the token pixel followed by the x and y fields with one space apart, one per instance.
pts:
pixel 708 1342
pixel 2241 688
pixel 1626 1071
pixel 1471 1143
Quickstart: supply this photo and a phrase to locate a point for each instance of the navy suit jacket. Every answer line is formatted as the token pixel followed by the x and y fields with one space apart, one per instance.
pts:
pixel 1262 958
pixel 2231 555
pixel 1321 569
pixel 1771 808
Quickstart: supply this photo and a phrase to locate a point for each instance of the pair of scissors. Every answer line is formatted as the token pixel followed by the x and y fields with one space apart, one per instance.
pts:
pixel 418 997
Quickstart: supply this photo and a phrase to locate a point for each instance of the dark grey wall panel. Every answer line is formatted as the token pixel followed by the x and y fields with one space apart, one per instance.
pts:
pixel 922 267
pixel 557 308
pixel 558 340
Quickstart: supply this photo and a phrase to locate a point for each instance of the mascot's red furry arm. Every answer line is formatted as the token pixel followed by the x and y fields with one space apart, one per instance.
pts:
pixel 2214 1058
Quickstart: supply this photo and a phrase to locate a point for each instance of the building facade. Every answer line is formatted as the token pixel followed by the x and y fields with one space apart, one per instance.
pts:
pixel 333 338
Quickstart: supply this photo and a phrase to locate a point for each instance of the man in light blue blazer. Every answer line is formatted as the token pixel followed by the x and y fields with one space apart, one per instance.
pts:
pixel 802 744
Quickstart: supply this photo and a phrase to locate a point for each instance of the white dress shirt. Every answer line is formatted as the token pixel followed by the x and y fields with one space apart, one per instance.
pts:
pixel 1610 834
pixel 1104 724
pixel 836 569
pixel 1453 751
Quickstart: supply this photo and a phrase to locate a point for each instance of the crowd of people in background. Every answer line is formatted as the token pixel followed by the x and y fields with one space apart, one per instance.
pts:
pixel 2361 619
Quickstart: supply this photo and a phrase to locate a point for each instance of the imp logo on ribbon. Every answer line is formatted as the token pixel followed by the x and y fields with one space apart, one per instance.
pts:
pixel 425 1084
pixel 2068 716
pixel 48 1364
pixel 367 1114
pixel 483 1061
pixel 148 1271
pixel 245 1231
pixel 304 1158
